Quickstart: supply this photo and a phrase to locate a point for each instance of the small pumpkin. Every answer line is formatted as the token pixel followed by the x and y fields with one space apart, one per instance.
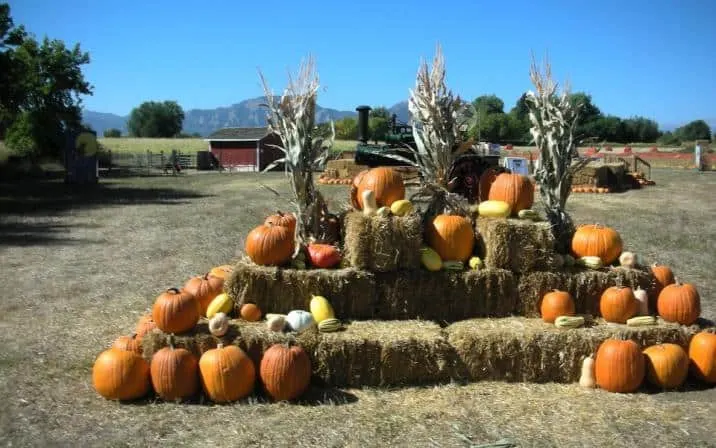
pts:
pixel 270 245
pixel 250 312
pixel 663 276
pixel 219 324
pixel 276 322
pixel 597 241
pixel 556 303
pixel 130 343
pixel 385 182
pixel 679 302
pixel 702 356
pixel 227 373
pixel 451 236
pixel 204 288
pixel 120 375
pixel 174 373
pixel 222 271
pixel 280 218
pixel 618 304
pixel 515 189
pixel 299 320
pixel 285 372
pixel 323 256
pixel 619 366
pixel 627 259
pixel 175 311
pixel 145 325
pixel 667 365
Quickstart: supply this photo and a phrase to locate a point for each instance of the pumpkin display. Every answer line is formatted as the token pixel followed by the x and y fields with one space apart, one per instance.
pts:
pixel 285 372
pixel 145 325
pixel 221 304
pixel 280 218
pixel 355 185
pixel 174 373
pixel 451 236
pixel 300 320
pixel 250 312
pixel 494 209
pixel 556 303
pixel 702 356
pixel 679 302
pixel 323 256
pixel 617 304
pixel 222 271
pixel 386 183
pixel 270 245
pixel 321 309
pixel 130 343
pixel 120 375
pixel 486 180
pixel 514 189
pixel 597 241
pixel 663 276
pixel 619 366
pixel 204 288
pixel 430 259
pixel 175 311
pixel 667 365
pixel 227 373
pixel 401 207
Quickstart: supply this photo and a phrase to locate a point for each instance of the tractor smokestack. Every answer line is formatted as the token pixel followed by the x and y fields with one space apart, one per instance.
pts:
pixel 363 112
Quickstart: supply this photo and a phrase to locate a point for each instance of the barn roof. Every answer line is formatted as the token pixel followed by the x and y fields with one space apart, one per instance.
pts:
pixel 245 134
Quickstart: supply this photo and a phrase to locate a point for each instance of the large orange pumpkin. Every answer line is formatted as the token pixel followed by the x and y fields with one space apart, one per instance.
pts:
pixel 283 219
pixel 285 372
pixel 451 236
pixel 204 288
pixel 486 180
pixel 702 356
pixel 679 302
pixel 667 365
pixel 618 304
pixel 227 373
pixel 355 186
pixel 386 183
pixel 597 241
pixel 174 373
pixel 130 343
pixel 556 303
pixel 515 189
pixel 270 245
pixel 619 366
pixel 120 375
pixel 175 311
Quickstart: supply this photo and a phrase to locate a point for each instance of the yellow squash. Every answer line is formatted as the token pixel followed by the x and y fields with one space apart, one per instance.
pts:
pixel 430 259
pixel 321 309
pixel 401 207
pixel 221 304
pixel 494 209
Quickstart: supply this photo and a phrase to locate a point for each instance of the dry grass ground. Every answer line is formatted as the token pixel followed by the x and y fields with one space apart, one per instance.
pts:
pixel 78 269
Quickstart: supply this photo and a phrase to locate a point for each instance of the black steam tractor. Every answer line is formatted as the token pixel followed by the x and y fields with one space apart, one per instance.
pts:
pixel 467 170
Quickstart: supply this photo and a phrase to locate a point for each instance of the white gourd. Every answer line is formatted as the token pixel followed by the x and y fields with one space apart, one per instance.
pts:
pixel 300 320
pixel 587 378
pixel 643 299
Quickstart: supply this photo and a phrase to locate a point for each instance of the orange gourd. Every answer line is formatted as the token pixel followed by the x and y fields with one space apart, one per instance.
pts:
pixel 120 375
pixel 667 365
pixel 227 373
pixel 386 183
pixel 323 256
pixel 174 373
pixel 222 271
pixel 175 311
pixel 702 356
pixel 270 245
pixel 679 302
pixel 619 366
pixel 663 276
pixel 618 304
pixel 515 189
pixel 285 371
pixel 596 240
pixel 130 343
pixel 250 312
pixel 451 236
pixel 204 288
pixel 556 303
pixel 283 219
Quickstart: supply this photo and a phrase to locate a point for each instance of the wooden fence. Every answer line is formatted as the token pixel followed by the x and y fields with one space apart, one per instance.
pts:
pixel 148 162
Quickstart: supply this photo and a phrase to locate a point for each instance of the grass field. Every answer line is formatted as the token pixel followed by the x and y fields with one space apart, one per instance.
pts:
pixel 187 145
pixel 78 269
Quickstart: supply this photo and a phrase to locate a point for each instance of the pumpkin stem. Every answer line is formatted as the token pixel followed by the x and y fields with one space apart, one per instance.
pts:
pixel 173 290
pixel 220 344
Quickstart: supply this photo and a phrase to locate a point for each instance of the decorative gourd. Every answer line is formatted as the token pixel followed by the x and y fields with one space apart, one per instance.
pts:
pixel 401 207
pixel 370 207
pixel 702 356
pixel 679 302
pixel 222 271
pixel 120 375
pixel 321 309
pixel 329 325
pixel 300 320
pixel 354 190
pixel 276 322
pixel 451 236
pixel 270 245
pixel 250 312
pixel 174 373
pixel 556 303
pixel 663 276
pixel 221 304
pixel 587 378
pixel 386 183
pixel 204 288
pixel 529 214
pixel 642 299
pixel 384 212
pixel 598 241
pixel 175 311
pixel 569 321
pixel 130 343
pixel 324 256
pixel 430 259
pixel 667 365
pixel 285 371
pixel 618 304
pixel 590 262
pixel 475 263
pixel 219 324
pixel 283 219
pixel 453 265
pixel 619 366
pixel 227 373
pixel 627 259
pixel 515 189
pixel 494 209
pixel 641 321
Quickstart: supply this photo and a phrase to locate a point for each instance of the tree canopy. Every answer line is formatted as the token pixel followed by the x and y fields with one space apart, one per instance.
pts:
pixel 156 119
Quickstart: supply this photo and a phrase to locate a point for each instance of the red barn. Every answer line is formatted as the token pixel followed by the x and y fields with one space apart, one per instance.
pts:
pixel 246 149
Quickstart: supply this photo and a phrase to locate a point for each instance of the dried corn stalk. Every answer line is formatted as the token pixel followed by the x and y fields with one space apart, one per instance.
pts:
pixel 292 117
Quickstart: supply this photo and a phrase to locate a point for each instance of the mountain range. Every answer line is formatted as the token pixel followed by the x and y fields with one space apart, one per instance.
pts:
pixel 247 113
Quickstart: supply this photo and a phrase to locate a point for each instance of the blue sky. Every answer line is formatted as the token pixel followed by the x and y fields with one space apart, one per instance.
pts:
pixel 635 57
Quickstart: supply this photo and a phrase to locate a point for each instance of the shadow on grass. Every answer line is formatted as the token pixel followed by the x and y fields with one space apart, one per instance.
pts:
pixel 33 234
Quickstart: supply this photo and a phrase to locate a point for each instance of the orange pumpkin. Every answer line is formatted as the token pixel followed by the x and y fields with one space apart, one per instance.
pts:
pixel 386 183
pixel 597 241
pixel 285 372
pixel 174 373
pixel 204 288
pixel 222 271
pixel 175 311
pixel 324 256
pixel 618 304
pixel 556 303
pixel 355 186
pixel 702 356
pixel 619 366
pixel 227 373
pixel 145 325
pixel 663 276
pixel 270 245
pixel 485 183
pixel 130 343
pixel 679 302
pixel 283 219
pixel 451 236
pixel 515 189
pixel 667 365
pixel 120 375
pixel 250 312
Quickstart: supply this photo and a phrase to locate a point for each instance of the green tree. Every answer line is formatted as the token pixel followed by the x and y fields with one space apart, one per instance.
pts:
pixel 154 119
pixel 112 133
pixel 668 139
pixel 489 104
pixel 379 123
pixel 520 121
pixel 347 129
pixel 696 130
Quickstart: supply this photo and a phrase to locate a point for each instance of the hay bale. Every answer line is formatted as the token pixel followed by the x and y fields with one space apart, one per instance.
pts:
pixel 445 296
pixel 517 245
pixel 277 290
pixel 381 244
pixel 585 285
pixel 529 350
